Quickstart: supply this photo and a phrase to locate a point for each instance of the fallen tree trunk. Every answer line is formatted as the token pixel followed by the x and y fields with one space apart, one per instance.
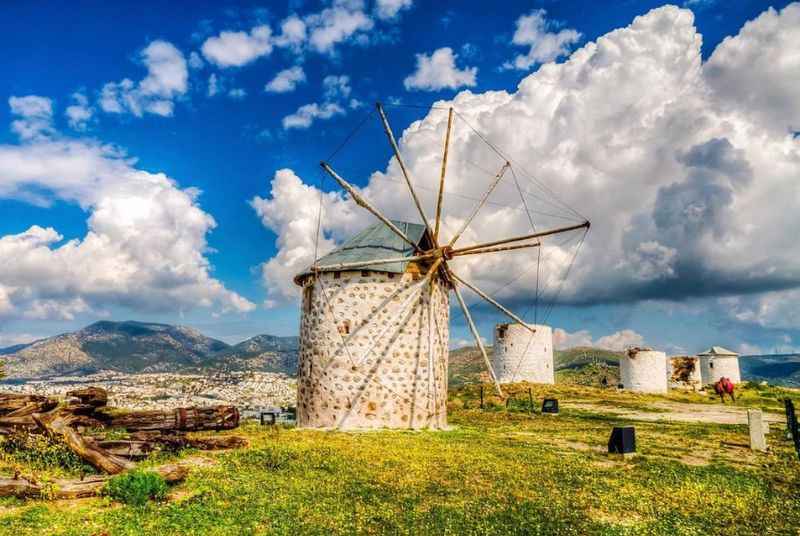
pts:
pixel 139 446
pixel 150 430
pixel 12 424
pixel 58 424
pixel 76 489
pixel 181 419
pixel 93 396
pixel 127 448
pixel 18 405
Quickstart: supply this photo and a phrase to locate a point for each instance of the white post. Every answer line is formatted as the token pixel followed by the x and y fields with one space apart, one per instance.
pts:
pixel 755 420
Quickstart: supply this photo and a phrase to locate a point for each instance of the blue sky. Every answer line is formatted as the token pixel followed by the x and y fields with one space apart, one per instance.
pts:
pixel 212 125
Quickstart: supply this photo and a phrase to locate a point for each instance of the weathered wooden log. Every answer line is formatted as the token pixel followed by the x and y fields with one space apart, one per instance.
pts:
pixel 20 405
pixel 93 396
pixel 217 443
pixel 13 424
pixel 181 419
pixel 127 448
pixel 176 441
pixel 76 489
pixel 58 423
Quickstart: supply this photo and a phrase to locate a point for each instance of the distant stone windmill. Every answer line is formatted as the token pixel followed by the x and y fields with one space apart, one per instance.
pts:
pixel 374 331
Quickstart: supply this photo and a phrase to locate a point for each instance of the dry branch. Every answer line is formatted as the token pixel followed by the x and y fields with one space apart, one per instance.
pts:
pixel 58 423
pixel 75 489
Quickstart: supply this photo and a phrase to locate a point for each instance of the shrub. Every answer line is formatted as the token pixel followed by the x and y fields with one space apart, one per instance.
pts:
pixel 137 487
pixel 41 452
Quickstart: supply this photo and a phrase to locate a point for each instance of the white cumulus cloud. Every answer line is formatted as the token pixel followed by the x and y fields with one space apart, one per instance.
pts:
pixel 438 71
pixel 389 9
pixel 293 33
pixel 336 87
pixel 167 79
pixel 145 245
pixel 79 113
pixel 286 80
pixel 619 340
pixel 533 31
pixel 336 24
pixel 305 116
pixel 234 49
pixel 761 52
pixel 34 116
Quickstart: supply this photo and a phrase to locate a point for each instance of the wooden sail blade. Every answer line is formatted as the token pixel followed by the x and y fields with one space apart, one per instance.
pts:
pixel 389 134
pixel 440 198
pixel 368 262
pixel 495 249
pixel 359 199
pixel 482 202
pixel 489 299
pixel 477 337
pixel 462 251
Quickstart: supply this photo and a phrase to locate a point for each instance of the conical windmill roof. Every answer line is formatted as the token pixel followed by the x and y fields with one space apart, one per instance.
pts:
pixel 718 351
pixel 375 242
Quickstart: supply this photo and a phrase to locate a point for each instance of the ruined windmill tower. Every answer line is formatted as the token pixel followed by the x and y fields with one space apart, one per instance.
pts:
pixel 718 362
pixel 643 370
pixel 522 356
pixel 374 332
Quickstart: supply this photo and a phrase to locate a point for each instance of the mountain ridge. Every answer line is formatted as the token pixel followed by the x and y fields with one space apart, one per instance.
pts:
pixel 134 346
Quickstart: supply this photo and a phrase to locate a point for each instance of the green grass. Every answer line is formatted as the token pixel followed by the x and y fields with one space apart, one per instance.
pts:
pixel 498 471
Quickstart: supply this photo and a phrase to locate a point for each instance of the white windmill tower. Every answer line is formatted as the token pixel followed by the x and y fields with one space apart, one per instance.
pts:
pixel 374 331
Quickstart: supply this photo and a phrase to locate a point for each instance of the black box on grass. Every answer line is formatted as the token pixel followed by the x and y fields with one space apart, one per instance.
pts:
pixel 550 405
pixel 622 441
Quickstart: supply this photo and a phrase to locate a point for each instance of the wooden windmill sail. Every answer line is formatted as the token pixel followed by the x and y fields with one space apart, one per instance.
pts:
pixel 416 245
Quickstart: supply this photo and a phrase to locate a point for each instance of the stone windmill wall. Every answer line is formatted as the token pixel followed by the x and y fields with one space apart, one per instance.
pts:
pixel 520 355
pixel 341 383
pixel 643 370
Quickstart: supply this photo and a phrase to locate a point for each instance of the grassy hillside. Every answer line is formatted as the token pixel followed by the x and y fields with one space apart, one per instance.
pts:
pixel 498 471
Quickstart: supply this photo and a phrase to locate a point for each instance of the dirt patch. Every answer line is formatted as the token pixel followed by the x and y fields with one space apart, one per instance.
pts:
pixel 677 412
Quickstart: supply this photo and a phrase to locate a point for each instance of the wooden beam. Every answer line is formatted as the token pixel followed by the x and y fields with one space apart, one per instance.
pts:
pixel 478 340
pixel 396 149
pixel 461 251
pixel 366 204
pixel 486 297
pixel 481 202
pixel 344 265
pixel 494 250
pixel 440 199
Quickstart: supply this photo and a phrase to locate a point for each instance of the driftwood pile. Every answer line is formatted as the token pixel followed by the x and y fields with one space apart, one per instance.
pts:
pixel 81 424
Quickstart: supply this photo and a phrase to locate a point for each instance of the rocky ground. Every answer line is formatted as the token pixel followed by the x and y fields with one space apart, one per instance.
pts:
pixel 249 391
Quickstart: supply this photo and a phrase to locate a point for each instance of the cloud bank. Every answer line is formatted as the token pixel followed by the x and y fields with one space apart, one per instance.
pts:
pixel 145 245
pixel 687 170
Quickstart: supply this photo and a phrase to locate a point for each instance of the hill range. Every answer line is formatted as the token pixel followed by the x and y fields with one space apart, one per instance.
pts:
pixel 134 347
